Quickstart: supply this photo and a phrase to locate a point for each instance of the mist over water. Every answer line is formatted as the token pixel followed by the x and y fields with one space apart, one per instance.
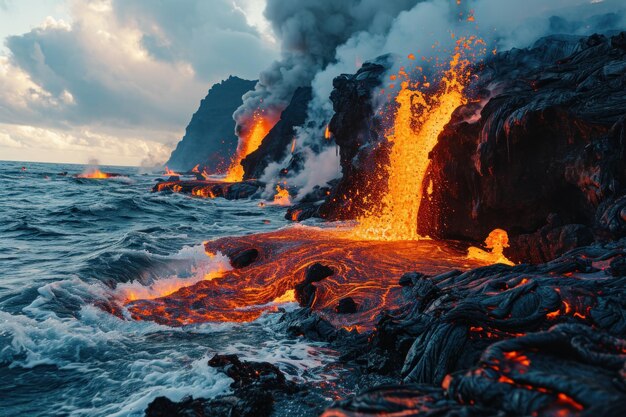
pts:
pixel 70 245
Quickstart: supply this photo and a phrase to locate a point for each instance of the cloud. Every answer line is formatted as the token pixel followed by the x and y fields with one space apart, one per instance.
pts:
pixel 78 146
pixel 127 65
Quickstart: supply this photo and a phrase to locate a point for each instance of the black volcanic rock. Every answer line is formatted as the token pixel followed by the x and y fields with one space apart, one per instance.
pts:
pixel 548 141
pixel 356 131
pixel 522 340
pixel 243 258
pixel 276 143
pixel 210 136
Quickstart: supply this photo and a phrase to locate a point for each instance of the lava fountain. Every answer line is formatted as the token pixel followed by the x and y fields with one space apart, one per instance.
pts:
pixel 249 143
pixel 419 119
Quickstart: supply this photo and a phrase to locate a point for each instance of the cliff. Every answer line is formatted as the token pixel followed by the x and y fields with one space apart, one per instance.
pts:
pixel 276 143
pixel 210 136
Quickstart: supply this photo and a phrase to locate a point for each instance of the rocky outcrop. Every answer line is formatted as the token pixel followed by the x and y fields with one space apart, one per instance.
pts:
pixel 210 138
pixel 255 386
pixel 548 142
pixel 276 143
pixel 357 132
pixel 211 189
pixel 542 138
pixel 542 340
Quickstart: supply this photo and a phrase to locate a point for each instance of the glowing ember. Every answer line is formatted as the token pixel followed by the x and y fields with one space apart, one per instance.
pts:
pixel 497 240
pixel 95 173
pixel 204 192
pixel 248 144
pixel 366 271
pixel 282 198
pixel 327 133
pixel 293 145
pixel 418 121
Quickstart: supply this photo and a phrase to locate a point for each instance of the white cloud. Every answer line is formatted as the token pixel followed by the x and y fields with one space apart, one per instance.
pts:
pixel 77 146
pixel 133 66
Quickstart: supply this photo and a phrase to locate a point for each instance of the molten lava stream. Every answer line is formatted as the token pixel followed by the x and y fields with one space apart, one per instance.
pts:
pixel 367 271
pixel 418 121
pixel 249 143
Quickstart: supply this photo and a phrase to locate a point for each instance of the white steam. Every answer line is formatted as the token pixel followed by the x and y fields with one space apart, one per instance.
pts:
pixel 323 39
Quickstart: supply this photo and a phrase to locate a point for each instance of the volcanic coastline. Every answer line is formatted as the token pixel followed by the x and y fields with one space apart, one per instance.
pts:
pixel 530 159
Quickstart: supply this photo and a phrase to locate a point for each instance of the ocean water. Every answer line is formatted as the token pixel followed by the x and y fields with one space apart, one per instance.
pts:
pixel 69 245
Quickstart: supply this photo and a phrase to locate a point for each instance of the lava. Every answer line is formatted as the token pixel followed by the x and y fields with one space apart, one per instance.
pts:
pixel 497 240
pixel 170 172
pixel 282 198
pixel 248 144
pixel 365 270
pixel 419 119
pixel 95 173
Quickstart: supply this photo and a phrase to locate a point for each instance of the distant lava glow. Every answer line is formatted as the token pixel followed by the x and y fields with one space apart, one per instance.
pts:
pixel 367 271
pixel 95 173
pixel 419 119
pixel 249 143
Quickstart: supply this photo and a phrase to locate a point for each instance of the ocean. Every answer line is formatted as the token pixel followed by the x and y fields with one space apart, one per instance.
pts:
pixel 70 245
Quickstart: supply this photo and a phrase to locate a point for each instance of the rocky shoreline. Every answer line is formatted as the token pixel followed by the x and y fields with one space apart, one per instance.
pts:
pixel 544 339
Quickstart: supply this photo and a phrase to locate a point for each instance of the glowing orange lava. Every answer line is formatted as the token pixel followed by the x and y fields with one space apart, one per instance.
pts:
pixel 497 240
pixel 367 271
pixel 248 144
pixel 170 172
pixel 418 121
pixel 95 173
pixel 282 197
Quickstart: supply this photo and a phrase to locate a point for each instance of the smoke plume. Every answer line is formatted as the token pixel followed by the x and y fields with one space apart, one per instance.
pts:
pixel 323 38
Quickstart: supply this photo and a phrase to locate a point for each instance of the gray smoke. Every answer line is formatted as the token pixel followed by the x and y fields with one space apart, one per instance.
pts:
pixel 310 32
pixel 323 38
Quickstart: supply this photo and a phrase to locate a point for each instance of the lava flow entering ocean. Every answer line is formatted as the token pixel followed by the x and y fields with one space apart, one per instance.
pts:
pixel 366 271
pixel 366 261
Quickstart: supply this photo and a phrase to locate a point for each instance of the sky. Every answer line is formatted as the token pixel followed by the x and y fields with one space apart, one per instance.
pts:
pixel 118 80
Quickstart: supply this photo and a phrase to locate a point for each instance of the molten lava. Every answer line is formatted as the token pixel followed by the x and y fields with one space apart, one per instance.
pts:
pixel 366 271
pixel 497 240
pixel 247 144
pixel 95 173
pixel 282 197
pixel 170 172
pixel 419 119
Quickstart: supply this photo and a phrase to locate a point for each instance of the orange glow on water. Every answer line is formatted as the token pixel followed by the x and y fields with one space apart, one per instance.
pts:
pixel 419 119
pixel 248 144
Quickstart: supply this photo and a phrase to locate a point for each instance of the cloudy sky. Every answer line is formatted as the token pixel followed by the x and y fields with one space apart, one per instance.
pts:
pixel 117 80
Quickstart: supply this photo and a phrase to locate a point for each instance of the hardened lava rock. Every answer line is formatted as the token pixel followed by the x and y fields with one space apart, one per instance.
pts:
pixel 544 340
